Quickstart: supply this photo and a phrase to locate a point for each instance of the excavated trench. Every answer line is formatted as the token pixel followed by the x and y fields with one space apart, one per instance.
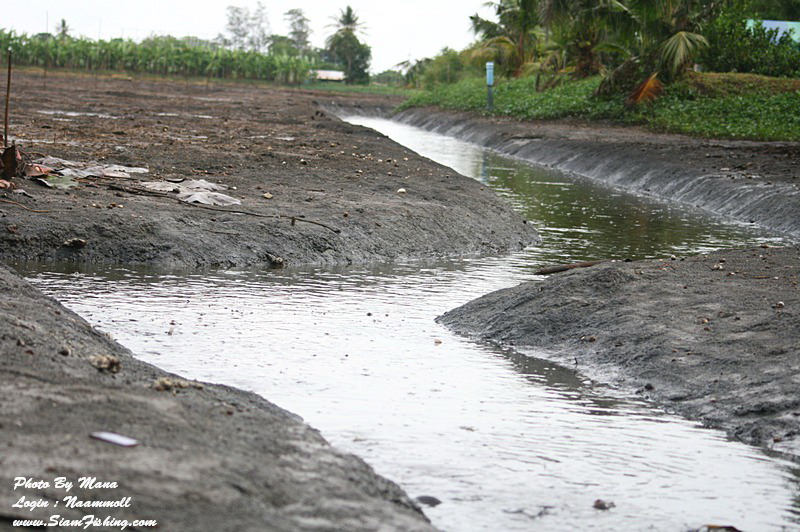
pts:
pixel 505 441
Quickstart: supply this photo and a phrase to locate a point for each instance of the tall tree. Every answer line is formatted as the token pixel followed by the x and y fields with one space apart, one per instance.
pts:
pixel 347 50
pixel 62 30
pixel 246 30
pixel 348 21
pixel 238 26
pixel 258 29
pixel 299 29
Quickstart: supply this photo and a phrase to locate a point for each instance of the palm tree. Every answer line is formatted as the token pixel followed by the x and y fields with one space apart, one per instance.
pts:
pixel 345 47
pixel 658 38
pixel 346 22
pixel 62 30
pixel 511 41
pixel 579 27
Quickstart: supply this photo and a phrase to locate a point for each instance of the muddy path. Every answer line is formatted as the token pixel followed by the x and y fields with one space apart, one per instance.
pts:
pixel 313 189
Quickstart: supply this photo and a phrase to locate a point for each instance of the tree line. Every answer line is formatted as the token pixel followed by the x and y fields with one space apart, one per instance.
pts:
pixel 633 44
pixel 247 50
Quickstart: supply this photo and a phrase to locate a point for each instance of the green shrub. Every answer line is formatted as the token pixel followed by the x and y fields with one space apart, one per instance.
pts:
pixel 733 47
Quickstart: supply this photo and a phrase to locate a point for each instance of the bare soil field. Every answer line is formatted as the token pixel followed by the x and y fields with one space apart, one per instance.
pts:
pixel 313 189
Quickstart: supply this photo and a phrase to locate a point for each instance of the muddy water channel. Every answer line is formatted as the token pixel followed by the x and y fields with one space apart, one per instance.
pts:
pixel 507 442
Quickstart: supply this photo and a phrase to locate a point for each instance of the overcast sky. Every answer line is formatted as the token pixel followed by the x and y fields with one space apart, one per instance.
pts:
pixel 396 31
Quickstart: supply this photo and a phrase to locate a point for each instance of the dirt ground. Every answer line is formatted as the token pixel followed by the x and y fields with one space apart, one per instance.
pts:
pixel 331 188
pixel 713 337
pixel 313 190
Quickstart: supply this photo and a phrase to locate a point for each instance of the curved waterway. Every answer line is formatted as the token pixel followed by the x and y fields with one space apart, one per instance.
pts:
pixel 507 442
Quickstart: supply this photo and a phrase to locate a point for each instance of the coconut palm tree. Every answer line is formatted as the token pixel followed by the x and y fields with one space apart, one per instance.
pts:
pixel 578 28
pixel 345 47
pixel 659 38
pixel 511 41
pixel 347 21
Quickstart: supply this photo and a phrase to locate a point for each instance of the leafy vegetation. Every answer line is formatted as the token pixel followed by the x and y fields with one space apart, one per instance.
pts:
pixel 155 55
pixel 735 47
pixel 712 105
pixel 246 51
pixel 629 61
pixel 511 40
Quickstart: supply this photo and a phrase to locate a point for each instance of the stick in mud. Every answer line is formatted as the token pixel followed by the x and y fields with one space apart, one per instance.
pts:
pixel 565 267
pixel 8 97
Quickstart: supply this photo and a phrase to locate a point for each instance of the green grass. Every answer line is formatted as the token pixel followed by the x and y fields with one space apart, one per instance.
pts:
pixel 733 106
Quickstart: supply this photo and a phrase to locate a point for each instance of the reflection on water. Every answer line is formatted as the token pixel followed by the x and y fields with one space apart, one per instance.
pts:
pixel 578 219
pixel 507 442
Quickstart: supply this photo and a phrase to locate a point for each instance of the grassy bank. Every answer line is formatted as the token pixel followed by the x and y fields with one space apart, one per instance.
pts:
pixel 736 106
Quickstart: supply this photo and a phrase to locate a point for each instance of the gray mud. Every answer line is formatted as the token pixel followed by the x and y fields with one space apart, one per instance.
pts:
pixel 335 193
pixel 712 337
pixel 210 457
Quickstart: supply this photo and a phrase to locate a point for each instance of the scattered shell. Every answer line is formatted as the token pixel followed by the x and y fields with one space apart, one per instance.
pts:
pixel 401 191
pixel 168 383
pixel 267 195
pixel 108 363
pixel 74 243
pixel 780 304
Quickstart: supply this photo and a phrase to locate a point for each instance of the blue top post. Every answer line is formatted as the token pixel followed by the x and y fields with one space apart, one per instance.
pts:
pixel 489 84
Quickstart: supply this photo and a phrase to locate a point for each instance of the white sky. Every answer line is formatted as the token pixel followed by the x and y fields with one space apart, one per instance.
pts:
pixel 396 31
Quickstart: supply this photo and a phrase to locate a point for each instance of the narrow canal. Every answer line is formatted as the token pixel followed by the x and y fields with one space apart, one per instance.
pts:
pixel 507 442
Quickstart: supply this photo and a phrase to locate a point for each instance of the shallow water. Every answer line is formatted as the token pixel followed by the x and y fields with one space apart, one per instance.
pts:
pixel 507 442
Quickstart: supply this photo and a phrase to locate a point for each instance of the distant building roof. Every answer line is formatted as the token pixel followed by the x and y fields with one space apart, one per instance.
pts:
pixel 784 26
pixel 328 75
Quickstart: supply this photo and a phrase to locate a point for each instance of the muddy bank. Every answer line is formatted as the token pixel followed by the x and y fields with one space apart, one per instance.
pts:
pixel 313 189
pixel 712 337
pixel 751 182
pixel 202 448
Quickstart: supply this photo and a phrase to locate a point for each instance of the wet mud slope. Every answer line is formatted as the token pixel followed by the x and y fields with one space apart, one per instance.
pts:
pixel 313 189
pixel 209 457
pixel 712 337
